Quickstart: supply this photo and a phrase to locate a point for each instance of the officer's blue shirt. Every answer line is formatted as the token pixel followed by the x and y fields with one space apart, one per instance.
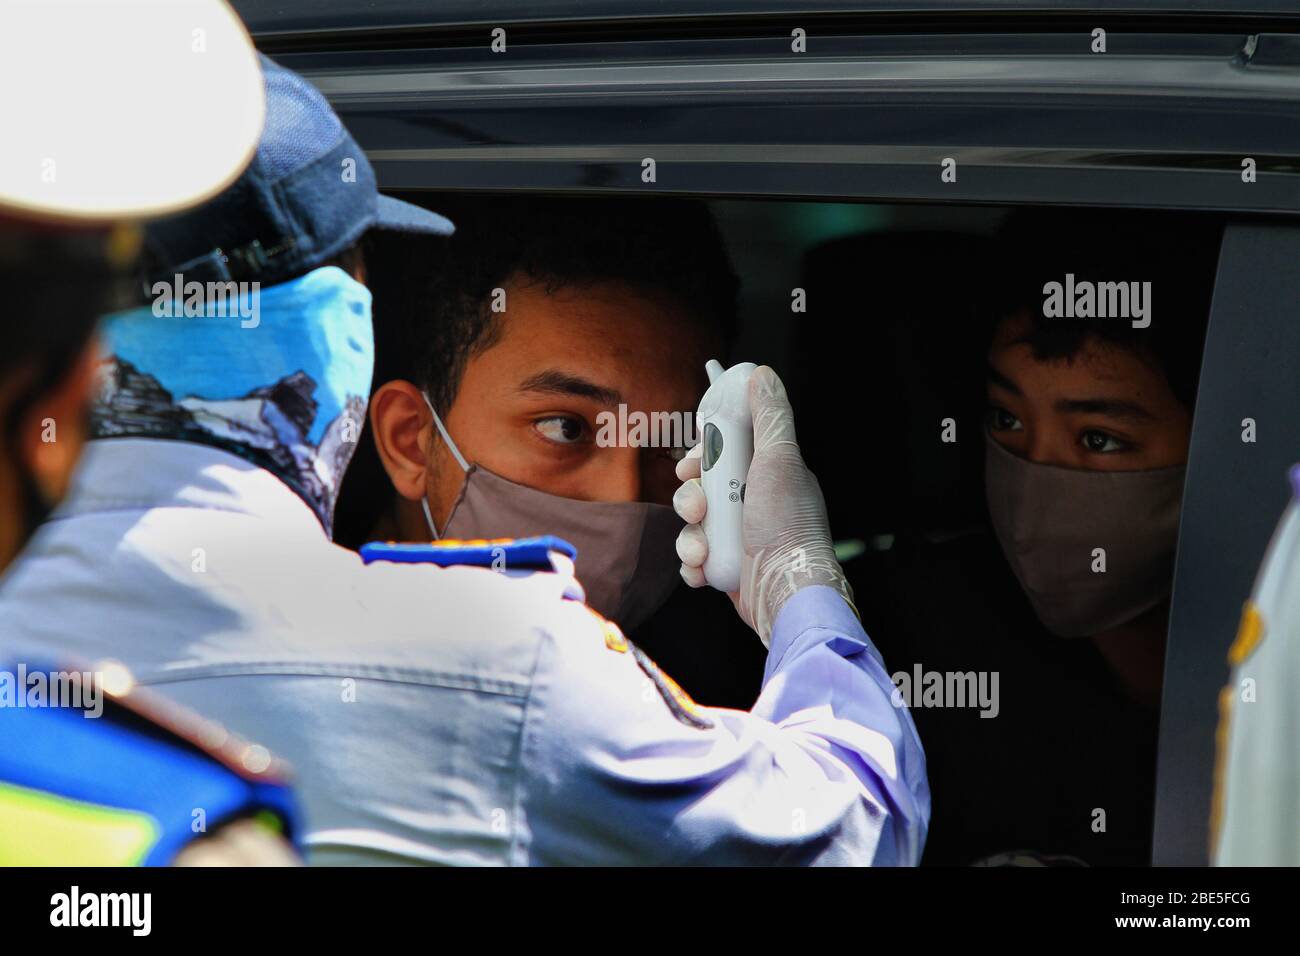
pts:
pixel 460 714
pixel 620 766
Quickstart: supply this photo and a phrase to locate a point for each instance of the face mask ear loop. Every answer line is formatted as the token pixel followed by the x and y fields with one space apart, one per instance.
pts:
pixel 460 460
pixel 428 518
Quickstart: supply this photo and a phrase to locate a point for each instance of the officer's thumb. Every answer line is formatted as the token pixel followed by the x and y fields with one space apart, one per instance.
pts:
pixel 770 407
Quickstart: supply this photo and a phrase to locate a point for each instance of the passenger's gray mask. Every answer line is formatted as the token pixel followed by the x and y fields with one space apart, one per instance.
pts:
pixel 1049 520
pixel 627 559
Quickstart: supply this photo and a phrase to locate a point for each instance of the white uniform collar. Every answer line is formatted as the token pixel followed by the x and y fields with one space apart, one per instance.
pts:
pixel 129 474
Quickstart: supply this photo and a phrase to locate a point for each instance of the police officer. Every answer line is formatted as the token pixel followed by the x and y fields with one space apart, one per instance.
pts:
pixel 91 773
pixel 1256 815
pixel 435 710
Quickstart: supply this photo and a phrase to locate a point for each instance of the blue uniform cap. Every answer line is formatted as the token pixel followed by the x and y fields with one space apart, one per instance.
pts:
pixel 308 195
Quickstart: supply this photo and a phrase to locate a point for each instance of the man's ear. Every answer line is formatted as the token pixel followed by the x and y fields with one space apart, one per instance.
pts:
pixel 399 422
pixel 53 432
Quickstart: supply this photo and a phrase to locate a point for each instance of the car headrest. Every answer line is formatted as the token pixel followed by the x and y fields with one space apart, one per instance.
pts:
pixel 893 343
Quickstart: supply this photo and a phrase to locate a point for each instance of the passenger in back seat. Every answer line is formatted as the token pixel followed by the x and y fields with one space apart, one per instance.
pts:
pixel 1091 383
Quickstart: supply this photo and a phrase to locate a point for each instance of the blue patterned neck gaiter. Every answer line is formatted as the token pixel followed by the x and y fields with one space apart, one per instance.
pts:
pixel 278 376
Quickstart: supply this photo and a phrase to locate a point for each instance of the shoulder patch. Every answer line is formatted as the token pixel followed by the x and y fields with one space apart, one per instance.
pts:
pixel 499 554
pixel 679 702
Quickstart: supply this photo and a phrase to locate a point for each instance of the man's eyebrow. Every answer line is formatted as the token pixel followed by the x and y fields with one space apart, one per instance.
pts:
pixel 997 378
pixel 1110 407
pixel 562 383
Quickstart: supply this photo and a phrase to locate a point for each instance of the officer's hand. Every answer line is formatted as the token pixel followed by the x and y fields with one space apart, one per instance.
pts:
pixel 787 536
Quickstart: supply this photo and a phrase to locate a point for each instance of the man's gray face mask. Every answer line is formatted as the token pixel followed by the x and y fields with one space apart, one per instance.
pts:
pixel 1050 520
pixel 627 559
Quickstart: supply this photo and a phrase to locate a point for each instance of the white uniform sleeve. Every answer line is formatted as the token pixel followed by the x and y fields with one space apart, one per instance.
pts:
pixel 1258 778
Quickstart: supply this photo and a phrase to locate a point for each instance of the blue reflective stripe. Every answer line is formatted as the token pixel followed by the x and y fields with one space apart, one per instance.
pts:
pixel 514 553
pixel 121 760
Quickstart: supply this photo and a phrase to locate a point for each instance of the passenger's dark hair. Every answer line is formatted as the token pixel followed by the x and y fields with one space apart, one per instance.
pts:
pixel 440 294
pixel 1175 252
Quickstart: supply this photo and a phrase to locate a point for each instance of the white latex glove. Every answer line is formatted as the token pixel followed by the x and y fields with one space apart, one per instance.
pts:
pixel 786 534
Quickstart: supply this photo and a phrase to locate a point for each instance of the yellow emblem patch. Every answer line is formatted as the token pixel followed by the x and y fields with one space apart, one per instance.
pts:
pixel 1249 634
pixel 614 638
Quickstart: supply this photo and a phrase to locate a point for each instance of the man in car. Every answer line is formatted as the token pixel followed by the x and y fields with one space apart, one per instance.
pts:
pixel 528 352
pixel 543 333
pixel 436 711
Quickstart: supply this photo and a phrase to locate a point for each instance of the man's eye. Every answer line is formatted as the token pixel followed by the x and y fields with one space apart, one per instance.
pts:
pixel 1001 420
pixel 561 429
pixel 1099 442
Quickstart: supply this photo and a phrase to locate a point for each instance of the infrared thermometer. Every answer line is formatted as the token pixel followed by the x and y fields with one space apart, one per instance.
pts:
pixel 727 434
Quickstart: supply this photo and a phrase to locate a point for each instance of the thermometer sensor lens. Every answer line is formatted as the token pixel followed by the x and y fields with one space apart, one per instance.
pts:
pixel 712 445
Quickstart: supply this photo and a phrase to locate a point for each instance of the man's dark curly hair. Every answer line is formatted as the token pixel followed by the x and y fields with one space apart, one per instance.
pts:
pixel 434 302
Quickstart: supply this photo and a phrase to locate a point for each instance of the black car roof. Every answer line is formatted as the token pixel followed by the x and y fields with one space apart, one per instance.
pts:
pixel 294 16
